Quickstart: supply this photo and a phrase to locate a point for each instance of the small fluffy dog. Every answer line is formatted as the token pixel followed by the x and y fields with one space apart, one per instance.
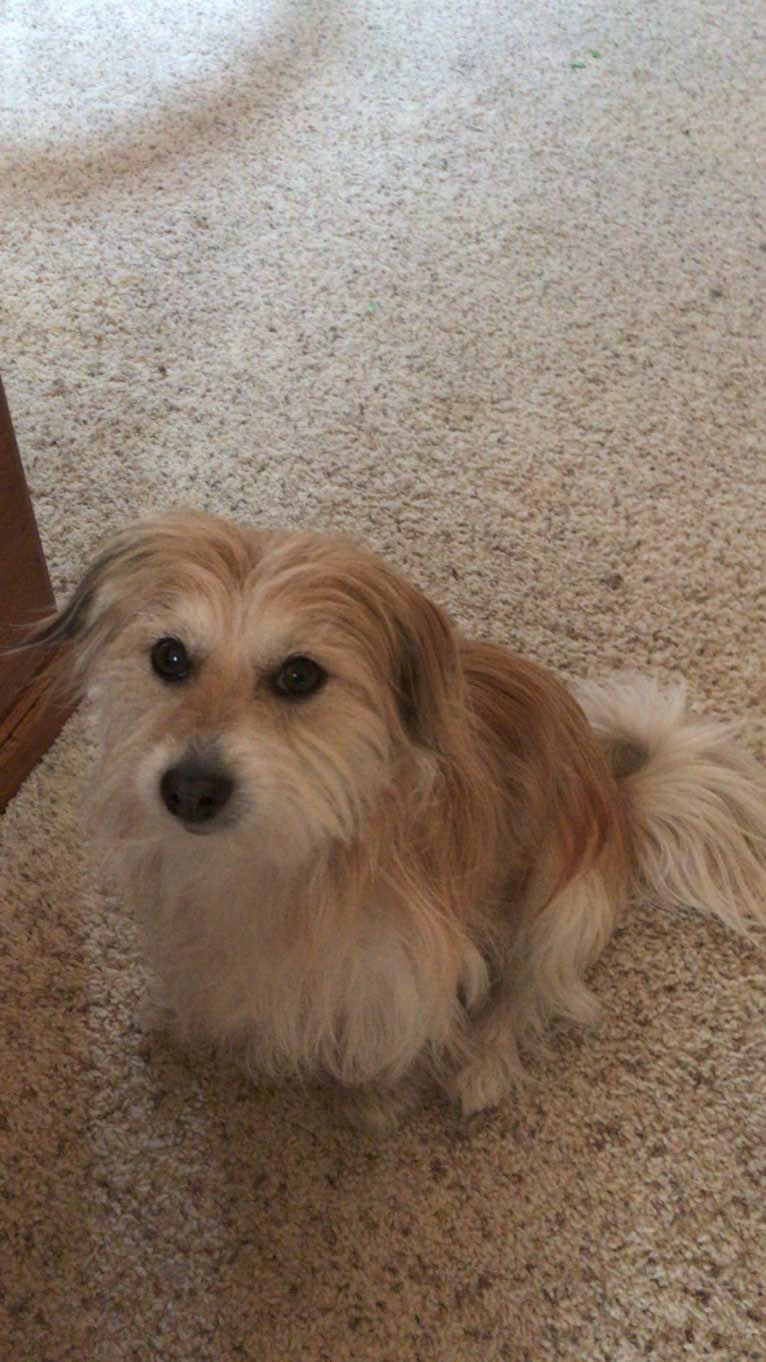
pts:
pixel 366 849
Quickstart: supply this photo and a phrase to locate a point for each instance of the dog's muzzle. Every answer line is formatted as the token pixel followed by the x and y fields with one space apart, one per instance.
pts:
pixel 195 791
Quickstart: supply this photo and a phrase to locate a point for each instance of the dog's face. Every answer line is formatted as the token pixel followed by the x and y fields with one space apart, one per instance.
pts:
pixel 267 685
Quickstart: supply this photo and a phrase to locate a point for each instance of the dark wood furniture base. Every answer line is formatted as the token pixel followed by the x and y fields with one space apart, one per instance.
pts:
pixel 30 714
pixel 29 727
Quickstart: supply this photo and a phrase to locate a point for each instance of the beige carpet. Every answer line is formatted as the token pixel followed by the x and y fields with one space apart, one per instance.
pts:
pixel 483 283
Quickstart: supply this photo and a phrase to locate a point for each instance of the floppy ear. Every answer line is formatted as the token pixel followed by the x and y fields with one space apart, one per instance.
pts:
pixel 92 614
pixel 86 621
pixel 431 686
pixel 72 623
pixel 142 562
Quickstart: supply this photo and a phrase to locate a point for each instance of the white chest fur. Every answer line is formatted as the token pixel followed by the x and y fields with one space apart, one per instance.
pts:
pixel 301 987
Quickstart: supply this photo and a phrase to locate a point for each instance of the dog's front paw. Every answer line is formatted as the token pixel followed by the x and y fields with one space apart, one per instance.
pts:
pixel 377 1111
pixel 153 1016
pixel 155 1025
pixel 483 1083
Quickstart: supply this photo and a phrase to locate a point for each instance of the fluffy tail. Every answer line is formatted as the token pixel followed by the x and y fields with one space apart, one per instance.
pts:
pixel 696 799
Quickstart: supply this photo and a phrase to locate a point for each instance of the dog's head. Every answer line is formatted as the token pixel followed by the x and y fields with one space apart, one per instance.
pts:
pixel 271 683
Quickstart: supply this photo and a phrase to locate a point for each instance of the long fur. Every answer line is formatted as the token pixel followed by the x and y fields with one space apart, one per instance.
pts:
pixel 423 859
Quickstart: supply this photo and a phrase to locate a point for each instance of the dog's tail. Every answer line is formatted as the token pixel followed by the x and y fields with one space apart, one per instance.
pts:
pixel 695 799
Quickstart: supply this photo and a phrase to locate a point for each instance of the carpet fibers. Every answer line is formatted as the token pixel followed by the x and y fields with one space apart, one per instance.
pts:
pixel 481 283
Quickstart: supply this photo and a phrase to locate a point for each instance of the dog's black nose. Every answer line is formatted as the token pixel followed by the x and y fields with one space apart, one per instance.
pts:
pixel 194 791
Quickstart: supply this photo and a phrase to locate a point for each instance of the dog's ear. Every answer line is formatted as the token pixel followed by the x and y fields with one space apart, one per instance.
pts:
pixel 78 617
pixel 97 607
pixel 145 561
pixel 91 615
pixel 430 683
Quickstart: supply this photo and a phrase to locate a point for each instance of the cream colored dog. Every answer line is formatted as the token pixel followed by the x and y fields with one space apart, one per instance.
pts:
pixel 361 847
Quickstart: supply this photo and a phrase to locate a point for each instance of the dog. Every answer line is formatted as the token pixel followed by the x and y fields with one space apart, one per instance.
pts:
pixel 363 849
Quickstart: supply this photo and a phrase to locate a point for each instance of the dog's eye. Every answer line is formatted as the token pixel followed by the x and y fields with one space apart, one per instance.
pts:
pixel 298 676
pixel 170 659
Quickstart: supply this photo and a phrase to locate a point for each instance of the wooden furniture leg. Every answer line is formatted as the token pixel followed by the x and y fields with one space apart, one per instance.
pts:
pixel 30 714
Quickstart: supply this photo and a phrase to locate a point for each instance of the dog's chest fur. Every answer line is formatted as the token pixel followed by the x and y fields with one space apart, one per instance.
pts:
pixel 297 986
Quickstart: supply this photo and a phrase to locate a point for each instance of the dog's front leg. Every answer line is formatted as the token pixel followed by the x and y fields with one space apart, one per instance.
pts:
pixel 377 1108
pixel 490 1065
